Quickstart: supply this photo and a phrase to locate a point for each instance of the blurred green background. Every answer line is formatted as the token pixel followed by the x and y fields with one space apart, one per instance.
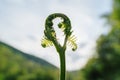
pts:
pixel 104 65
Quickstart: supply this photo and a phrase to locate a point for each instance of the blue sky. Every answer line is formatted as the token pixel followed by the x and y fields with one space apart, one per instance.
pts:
pixel 22 26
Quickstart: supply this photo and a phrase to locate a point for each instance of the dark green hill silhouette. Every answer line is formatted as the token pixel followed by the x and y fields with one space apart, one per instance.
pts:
pixel 17 65
pixel 27 56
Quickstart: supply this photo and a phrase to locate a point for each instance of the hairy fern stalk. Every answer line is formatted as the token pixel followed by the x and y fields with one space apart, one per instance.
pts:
pixel 50 39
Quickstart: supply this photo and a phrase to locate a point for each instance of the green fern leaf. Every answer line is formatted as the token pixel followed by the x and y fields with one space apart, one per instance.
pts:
pixel 46 43
pixel 72 42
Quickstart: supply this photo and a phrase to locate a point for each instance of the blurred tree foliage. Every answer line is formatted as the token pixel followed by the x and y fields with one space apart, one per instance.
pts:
pixel 106 65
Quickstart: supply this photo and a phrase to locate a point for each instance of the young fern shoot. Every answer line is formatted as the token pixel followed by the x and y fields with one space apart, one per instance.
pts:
pixel 50 39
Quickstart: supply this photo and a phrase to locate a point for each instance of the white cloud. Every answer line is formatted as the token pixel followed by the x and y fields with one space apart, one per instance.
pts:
pixel 22 25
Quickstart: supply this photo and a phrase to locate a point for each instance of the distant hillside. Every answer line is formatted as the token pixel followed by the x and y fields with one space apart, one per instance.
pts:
pixel 27 56
pixel 17 65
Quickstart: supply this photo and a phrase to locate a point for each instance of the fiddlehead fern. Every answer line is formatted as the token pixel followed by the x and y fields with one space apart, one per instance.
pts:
pixel 50 38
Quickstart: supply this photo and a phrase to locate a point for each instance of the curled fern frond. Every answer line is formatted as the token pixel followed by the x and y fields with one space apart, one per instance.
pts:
pixel 72 42
pixel 50 38
pixel 46 43
pixel 50 34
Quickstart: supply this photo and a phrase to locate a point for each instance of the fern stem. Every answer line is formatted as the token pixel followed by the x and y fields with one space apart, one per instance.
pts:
pixel 62 65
